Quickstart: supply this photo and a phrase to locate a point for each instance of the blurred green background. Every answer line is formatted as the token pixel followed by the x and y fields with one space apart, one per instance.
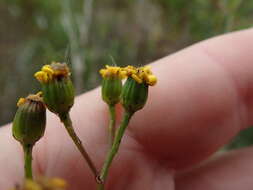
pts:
pixel 35 32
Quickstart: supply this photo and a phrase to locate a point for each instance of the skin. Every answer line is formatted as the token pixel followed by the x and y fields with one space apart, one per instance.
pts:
pixel 202 100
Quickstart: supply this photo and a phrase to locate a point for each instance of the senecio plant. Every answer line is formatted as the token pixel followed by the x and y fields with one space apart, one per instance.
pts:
pixel 57 95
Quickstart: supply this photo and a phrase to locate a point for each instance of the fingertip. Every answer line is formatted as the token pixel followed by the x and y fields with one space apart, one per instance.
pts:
pixel 201 99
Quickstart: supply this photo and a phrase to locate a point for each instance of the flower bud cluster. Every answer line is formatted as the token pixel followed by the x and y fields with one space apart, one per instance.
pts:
pixel 141 74
pixel 133 94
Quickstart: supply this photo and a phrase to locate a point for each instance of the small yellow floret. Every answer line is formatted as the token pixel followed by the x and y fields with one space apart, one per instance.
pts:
pixel 31 185
pixel 41 76
pixel 122 74
pixel 147 70
pixel 130 70
pixel 111 71
pixel 35 97
pixel 58 183
pixel 21 101
pixel 151 80
pixel 103 72
pixel 49 72
pixel 43 183
pixel 39 94
pixel 47 69
pixel 137 78
pixel 141 74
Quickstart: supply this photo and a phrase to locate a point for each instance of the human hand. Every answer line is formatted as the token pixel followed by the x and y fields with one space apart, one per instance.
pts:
pixel 202 100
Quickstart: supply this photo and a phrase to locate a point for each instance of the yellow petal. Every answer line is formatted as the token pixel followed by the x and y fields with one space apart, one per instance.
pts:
pixel 122 74
pixel 40 76
pixel 136 78
pixel 103 72
pixel 21 101
pixel 152 80
pixel 47 69
pixel 39 94
pixel 114 70
pixel 147 69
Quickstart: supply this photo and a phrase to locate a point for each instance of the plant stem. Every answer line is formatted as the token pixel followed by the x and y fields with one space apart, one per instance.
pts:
pixel 28 161
pixel 114 149
pixel 65 118
pixel 101 186
pixel 112 124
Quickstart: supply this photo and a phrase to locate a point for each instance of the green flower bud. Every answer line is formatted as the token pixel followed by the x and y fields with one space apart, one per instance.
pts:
pixel 30 120
pixel 111 90
pixel 57 88
pixel 112 84
pixel 135 90
pixel 134 95
pixel 58 95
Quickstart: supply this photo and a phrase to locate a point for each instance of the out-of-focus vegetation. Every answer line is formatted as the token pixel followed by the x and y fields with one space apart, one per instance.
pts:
pixel 36 32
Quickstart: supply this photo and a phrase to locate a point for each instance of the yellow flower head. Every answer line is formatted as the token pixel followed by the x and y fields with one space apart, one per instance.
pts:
pixel 57 183
pixel 141 74
pixel 31 185
pixel 130 70
pixel 111 72
pixel 50 72
pixel 43 183
pixel 32 97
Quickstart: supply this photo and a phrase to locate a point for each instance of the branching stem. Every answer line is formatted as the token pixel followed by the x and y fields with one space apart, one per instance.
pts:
pixel 114 149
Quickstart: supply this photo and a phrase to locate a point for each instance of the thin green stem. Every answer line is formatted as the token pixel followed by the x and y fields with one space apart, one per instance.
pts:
pixel 112 124
pixel 28 161
pixel 101 186
pixel 65 118
pixel 114 149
